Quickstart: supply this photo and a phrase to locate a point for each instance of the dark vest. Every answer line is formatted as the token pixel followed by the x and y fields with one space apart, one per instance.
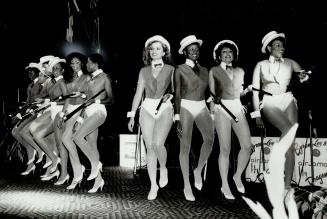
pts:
pixel 193 84
pixel 155 87
pixel 224 86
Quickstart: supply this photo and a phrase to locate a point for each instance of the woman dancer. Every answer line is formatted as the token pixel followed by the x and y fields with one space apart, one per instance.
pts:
pixel 226 82
pixel 154 79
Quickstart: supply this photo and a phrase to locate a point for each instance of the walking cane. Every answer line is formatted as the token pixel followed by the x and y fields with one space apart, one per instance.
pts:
pixel 137 149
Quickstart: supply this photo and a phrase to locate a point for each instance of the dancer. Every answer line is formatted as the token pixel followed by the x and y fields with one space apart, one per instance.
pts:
pixel 18 132
pixel 226 82
pixel 42 126
pixel 154 79
pixel 191 82
pixel 273 75
pixel 77 85
pixel 94 116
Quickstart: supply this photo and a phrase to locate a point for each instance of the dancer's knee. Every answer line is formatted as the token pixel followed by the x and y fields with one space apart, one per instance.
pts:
pixel 224 151
pixel 208 139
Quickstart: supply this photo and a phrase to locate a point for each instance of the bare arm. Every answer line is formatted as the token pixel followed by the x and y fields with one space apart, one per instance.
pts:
pixel 136 101
pixel 212 89
pixel 177 91
pixel 109 100
pixel 139 92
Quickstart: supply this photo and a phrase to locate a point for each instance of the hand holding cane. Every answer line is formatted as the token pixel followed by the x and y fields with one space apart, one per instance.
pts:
pixel 164 99
pixel 260 90
pixel 217 100
pixel 88 101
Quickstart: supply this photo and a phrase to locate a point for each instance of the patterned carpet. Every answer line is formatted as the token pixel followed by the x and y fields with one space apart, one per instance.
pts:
pixel 124 196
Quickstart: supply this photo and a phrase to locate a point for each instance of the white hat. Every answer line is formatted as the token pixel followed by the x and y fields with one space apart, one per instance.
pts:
pixel 47 58
pixel 187 41
pixel 35 65
pixel 222 42
pixel 268 38
pixel 55 61
pixel 159 39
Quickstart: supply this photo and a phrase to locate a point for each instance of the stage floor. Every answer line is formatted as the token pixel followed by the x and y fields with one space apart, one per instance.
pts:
pixel 124 196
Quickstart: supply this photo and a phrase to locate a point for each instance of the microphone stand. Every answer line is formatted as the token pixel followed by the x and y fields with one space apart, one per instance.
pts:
pixel 263 149
pixel 311 146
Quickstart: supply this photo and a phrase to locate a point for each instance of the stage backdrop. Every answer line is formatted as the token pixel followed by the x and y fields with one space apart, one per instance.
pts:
pixel 302 171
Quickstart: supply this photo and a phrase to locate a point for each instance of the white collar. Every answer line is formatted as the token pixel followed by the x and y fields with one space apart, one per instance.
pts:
pixel 157 62
pixel 189 62
pixel 59 77
pixel 35 80
pixel 272 59
pixel 96 72
pixel 79 73
pixel 224 64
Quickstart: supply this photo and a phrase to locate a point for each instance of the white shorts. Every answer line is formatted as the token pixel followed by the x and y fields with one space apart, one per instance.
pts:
pixel 194 107
pixel 54 110
pixel 71 108
pixel 234 106
pixel 150 106
pixel 281 101
pixel 95 108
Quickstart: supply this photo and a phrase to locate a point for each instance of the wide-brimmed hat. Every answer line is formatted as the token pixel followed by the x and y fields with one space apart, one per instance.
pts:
pixel 187 41
pixel 46 58
pixel 35 65
pixel 157 38
pixel 270 37
pixel 55 61
pixel 223 42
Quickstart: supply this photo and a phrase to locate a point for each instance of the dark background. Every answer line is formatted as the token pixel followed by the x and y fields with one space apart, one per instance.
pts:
pixel 34 28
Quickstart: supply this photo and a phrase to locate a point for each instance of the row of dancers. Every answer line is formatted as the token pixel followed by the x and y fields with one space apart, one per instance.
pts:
pixel 159 79
pixel 63 111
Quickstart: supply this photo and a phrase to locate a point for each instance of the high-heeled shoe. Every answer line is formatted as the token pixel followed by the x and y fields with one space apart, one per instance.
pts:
pixel 240 188
pixel 96 173
pixel 96 187
pixel 77 180
pixel 189 197
pixel 52 175
pixel 26 172
pixel 153 193
pixel 163 181
pixel 32 159
pixel 226 196
pixel 60 182
pixel 40 157
pixel 197 185
pixel 56 165
pixel 47 164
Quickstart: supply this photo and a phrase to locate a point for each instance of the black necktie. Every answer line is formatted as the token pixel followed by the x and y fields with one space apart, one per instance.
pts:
pixel 196 67
pixel 229 67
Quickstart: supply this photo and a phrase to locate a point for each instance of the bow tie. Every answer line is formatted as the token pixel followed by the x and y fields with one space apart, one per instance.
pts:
pixel 53 80
pixel 278 60
pixel 229 67
pixel 157 65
